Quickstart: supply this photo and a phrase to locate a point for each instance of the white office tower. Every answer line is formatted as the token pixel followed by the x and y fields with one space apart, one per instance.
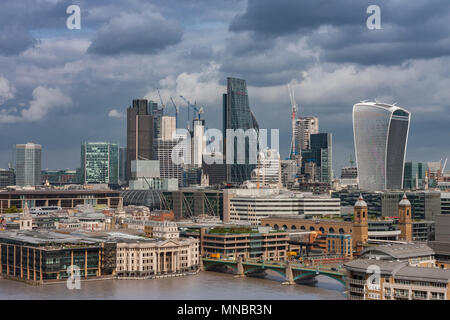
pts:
pixel 168 127
pixel 305 126
pixel 198 142
pixel 268 169
pixel 28 164
pixel 380 134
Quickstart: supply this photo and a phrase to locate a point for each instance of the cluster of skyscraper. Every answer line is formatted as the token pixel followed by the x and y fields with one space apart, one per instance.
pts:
pixel 380 137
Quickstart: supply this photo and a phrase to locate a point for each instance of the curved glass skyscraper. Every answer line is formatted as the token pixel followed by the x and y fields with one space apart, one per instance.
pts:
pixel 380 134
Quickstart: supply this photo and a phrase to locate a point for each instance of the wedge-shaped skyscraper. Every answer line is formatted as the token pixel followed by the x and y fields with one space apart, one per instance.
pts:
pixel 380 134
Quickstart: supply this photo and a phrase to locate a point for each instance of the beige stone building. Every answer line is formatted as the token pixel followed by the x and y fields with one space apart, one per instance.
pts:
pixel 151 257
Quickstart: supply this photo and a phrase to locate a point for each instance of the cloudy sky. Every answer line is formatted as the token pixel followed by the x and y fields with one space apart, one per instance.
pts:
pixel 59 87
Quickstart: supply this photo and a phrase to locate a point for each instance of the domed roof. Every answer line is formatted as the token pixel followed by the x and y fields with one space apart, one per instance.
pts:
pixel 404 201
pixel 360 203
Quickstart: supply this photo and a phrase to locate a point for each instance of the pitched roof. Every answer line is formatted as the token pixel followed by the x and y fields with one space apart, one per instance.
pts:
pixel 400 250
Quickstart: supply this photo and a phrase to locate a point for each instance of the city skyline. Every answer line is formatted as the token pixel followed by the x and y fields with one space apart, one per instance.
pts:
pixel 69 84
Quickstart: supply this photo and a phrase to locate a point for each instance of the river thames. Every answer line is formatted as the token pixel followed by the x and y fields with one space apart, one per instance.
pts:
pixel 203 286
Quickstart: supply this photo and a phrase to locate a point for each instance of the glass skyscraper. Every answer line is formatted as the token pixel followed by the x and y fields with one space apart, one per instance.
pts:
pixel 321 144
pixel 28 164
pixel 237 115
pixel 99 163
pixel 380 134
pixel 414 176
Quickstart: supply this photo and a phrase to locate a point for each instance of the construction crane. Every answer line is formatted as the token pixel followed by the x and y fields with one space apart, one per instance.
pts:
pixel 176 112
pixel 193 107
pixel 189 106
pixel 162 102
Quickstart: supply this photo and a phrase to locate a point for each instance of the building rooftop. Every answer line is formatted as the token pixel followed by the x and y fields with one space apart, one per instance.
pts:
pixel 399 270
pixel 362 265
pixel 399 250
pixel 440 247
pixel 423 274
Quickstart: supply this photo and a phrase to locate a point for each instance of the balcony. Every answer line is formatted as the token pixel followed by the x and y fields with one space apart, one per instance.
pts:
pixel 357 282
pixel 357 290
pixel 402 295
pixel 355 297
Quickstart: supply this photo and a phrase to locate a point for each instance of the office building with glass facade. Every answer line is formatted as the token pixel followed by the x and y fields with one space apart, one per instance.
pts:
pixel 380 135
pixel 28 164
pixel 237 115
pixel 414 176
pixel 99 163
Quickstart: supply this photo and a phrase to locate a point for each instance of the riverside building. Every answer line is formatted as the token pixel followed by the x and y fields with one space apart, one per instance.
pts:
pixel 397 281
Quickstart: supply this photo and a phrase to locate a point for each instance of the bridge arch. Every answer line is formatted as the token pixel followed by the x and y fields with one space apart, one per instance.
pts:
pixel 314 273
pixel 331 230
pixel 281 272
pixel 321 229
pixel 208 266
pixel 311 228
pixel 284 227
pixel 341 231
pixel 275 226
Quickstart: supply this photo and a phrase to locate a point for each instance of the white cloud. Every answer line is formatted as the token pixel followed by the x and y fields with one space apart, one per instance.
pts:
pixel 44 100
pixel 116 114
pixel 6 90
pixel 202 87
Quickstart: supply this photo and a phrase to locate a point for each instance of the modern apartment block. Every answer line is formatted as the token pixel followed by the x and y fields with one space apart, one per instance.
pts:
pixel 234 242
pixel 371 279
pixel 28 164
pixel 99 163
pixel 380 134
pixel 238 115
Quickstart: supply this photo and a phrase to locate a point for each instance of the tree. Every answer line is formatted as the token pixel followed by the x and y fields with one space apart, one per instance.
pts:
pixel 13 209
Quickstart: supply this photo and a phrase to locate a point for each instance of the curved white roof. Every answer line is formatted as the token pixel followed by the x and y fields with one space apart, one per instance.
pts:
pixel 386 106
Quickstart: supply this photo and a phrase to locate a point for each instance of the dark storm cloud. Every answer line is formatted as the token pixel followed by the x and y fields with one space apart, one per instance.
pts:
pixel 19 18
pixel 410 29
pixel 136 33
pixel 14 40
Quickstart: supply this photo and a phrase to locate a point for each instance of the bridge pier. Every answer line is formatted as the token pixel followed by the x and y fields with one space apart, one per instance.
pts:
pixel 289 274
pixel 240 267
pixel 200 264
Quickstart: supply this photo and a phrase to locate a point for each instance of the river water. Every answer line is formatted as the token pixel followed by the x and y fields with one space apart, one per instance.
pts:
pixel 203 286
